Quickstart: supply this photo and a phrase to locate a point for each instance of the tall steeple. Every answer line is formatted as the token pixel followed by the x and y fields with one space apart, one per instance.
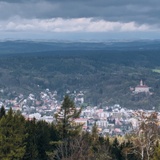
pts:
pixel 141 83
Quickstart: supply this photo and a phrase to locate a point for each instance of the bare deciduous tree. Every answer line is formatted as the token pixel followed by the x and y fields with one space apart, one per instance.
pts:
pixel 146 135
pixel 74 149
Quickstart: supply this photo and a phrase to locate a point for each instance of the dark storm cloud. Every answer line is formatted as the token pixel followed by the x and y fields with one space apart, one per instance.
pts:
pixel 140 11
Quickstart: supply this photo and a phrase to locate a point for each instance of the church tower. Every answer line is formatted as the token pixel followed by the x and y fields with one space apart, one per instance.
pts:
pixel 141 83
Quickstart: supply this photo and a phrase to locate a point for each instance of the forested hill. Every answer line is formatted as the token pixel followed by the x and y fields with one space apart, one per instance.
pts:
pixel 104 71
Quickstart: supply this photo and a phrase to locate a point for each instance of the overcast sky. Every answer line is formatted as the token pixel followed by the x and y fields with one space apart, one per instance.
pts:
pixel 79 19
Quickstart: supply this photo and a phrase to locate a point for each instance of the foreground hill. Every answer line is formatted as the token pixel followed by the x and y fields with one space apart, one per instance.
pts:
pixel 105 71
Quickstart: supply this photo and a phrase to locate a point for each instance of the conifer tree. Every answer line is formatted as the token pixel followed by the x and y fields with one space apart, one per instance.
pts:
pixel 95 138
pixel 31 152
pixel 2 112
pixel 37 142
pixel 43 138
pixel 116 149
pixel 98 145
pixel 65 119
pixel 67 127
pixel 12 136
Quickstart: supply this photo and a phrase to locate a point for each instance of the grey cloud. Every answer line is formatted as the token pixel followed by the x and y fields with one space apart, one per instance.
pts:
pixel 16 1
pixel 140 11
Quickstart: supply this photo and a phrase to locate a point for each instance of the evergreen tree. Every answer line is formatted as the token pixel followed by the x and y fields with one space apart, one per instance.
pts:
pixel 54 134
pixel 116 151
pixel 31 141
pixel 37 141
pixel 43 139
pixel 2 112
pixel 67 127
pixel 95 138
pixel 65 119
pixel 12 136
pixel 54 140
pixel 98 144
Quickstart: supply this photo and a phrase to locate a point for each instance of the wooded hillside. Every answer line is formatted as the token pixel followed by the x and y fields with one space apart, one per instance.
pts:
pixel 104 71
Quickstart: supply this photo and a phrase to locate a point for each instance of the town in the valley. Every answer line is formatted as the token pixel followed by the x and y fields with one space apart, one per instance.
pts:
pixel 110 120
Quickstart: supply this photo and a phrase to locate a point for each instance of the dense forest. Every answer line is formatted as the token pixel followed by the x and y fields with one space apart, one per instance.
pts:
pixel 103 71
pixel 28 139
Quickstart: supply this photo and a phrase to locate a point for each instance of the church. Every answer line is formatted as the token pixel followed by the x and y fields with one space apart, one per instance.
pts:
pixel 141 88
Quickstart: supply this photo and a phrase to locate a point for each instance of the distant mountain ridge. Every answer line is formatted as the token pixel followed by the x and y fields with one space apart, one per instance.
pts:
pixel 22 46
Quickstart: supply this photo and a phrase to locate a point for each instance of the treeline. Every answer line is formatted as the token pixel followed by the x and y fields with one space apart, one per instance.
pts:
pixel 24 139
